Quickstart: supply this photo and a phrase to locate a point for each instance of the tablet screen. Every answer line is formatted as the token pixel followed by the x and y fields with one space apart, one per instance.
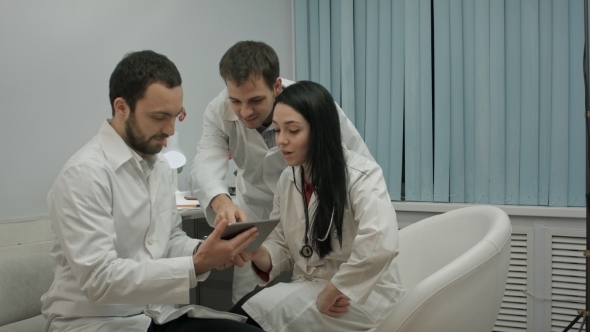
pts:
pixel 264 228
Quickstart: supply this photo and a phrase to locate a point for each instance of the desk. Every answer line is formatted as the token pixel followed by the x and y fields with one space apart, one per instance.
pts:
pixel 215 292
pixel 196 213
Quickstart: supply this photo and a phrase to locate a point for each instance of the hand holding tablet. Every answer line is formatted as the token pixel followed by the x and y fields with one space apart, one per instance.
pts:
pixel 215 253
pixel 264 228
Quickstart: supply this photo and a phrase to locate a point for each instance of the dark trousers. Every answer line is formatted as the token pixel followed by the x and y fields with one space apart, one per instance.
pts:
pixel 187 324
pixel 237 309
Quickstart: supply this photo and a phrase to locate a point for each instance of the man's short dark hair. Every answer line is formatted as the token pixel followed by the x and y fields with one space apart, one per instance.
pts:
pixel 250 57
pixel 136 72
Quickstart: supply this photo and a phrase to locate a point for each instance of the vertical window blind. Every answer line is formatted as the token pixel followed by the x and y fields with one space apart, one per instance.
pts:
pixel 470 101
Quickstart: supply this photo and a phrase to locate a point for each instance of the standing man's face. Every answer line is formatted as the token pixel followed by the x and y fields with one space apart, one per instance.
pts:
pixel 252 100
pixel 154 118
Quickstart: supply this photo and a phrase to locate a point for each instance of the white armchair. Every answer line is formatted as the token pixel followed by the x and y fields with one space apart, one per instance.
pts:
pixel 454 266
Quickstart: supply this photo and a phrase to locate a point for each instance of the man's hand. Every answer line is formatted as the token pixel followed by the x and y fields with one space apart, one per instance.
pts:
pixel 218 253
pixel 332 302
pixel 225 209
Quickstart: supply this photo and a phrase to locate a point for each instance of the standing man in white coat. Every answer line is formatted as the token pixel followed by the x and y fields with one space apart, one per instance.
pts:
pixel 116 229
pixel 239 120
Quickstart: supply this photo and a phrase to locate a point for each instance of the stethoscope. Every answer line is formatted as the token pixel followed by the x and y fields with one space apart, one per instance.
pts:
pixel 306 249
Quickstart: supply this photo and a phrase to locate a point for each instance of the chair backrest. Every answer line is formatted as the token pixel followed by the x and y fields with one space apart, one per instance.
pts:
pixel 454 266
pixel 22 282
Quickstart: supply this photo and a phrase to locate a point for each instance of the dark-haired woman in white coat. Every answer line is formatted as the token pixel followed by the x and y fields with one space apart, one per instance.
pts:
pixel 337 230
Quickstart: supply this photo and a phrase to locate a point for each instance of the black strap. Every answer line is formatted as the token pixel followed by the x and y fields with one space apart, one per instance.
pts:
pixel 306 250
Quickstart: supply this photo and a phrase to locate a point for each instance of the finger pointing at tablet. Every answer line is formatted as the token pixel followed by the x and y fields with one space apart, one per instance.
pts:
pixel 225 209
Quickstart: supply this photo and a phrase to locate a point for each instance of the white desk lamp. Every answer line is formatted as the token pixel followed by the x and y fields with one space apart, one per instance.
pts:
pixel 175 157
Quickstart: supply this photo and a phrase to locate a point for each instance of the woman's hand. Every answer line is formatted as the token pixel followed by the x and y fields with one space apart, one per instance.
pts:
pixel 260 257
pixel 332 302
pixel 251 256
pixel 247 256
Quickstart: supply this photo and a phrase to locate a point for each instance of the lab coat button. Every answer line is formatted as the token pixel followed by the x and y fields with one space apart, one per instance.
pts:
pixel 150 241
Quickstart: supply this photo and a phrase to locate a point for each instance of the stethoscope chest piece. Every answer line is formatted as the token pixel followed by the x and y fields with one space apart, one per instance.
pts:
pixel 306 251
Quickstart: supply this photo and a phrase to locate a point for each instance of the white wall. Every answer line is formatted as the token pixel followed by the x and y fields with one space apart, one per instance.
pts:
pixel 57 56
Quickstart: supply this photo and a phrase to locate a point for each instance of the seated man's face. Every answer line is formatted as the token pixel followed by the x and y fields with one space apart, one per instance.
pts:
pixel 153 119
pixel 252 100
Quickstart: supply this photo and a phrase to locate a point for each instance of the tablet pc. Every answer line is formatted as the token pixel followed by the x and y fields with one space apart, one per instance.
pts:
pixel 264 228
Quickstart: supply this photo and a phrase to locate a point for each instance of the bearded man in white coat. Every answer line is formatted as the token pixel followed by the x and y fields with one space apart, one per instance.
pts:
pixel 116 229
pixel 239 120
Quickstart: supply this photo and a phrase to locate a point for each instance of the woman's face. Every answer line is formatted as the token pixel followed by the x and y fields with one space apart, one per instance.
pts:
pixel 292 134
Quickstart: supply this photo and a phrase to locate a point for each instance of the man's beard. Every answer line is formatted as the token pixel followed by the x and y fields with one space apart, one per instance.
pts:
pixel 136 139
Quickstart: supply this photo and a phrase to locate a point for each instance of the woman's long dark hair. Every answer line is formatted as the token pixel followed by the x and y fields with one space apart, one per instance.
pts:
pixel 325 157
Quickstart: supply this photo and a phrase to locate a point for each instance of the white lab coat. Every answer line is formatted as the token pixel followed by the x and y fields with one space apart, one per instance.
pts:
pixel 259 168
pixel 364 268
pixel 117 243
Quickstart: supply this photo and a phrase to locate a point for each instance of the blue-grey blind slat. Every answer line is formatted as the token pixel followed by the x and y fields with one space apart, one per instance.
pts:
pixel 513 92
pixel 412 100
pixel 360 30
pixel 482 105
pixel 301 41
pixel 508 93
pixel 457 161
pixel 545 42
pixel 347 35
pixel 324 45
pixel 497 104
pixel 336 51
pixel 372 76
pixel 397 100
pixel 469 95
pixel 577 140
pixel 314 40
pixel 384 86
pixel 426 148
pixel 529 121
pixel 442 100
pixel 558 180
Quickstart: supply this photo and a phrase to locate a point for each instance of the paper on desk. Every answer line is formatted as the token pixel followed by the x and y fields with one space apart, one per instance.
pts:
pixel 182 203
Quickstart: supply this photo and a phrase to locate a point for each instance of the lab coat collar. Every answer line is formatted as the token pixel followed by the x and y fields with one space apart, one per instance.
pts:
pixel 230 115
pixel 286 82
pixel 290 174
pixel 298 199
pixel 115 149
